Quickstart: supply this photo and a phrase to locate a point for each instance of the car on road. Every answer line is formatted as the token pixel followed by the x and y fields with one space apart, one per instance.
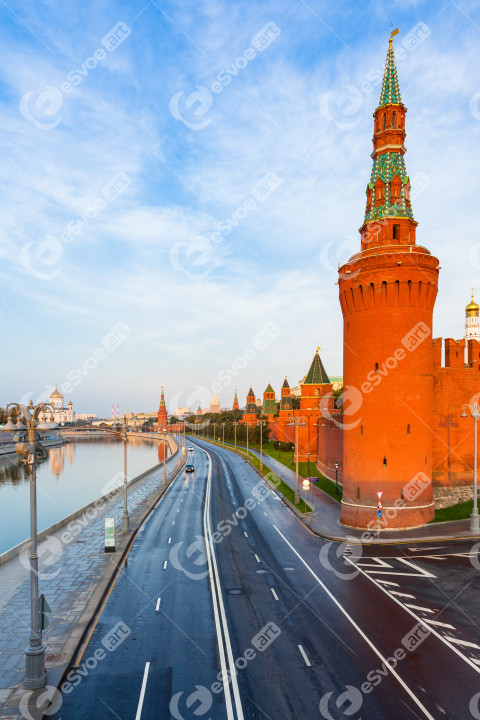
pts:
pixel 190 449
pixel 189 467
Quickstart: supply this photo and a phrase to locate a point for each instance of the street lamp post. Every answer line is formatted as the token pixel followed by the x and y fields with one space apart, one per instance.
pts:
pixel 235 431
pixel 296 421
pixel 35 674
pixel 247 438
pixel 223 433
pixel 475 413
pixel 214 428
pixel 260 422
pixel 125 517
pixel 336 477
pixel 308 457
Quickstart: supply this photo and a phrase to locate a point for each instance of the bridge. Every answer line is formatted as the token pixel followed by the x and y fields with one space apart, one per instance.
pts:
pixel 89 430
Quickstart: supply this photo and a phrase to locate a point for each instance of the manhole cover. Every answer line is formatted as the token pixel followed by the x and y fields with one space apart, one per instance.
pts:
pixel 235 591
pixel 260 572
pixel 54 658
pixel 289 569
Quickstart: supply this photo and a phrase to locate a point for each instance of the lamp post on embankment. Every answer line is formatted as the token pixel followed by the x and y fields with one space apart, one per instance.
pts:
pixel 296 421
pixel 125 516
pixel 30 453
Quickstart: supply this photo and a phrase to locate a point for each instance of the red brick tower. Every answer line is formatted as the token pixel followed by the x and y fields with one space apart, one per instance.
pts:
pixel 269 407
pixel 236 406
pixel 162 413
pixel 286 399
pixel 387 294
pixel 250 415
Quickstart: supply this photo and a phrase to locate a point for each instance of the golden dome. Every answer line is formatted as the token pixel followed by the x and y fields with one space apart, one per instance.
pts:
pixel 472 309
pixel 57 393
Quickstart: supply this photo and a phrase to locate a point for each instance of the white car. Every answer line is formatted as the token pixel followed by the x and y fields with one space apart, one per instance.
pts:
pixel 190 449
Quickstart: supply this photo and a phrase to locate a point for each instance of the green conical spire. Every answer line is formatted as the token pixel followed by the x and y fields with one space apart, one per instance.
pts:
pixel 269 388
pixel 162 400
pixel 390 87
pixel 317 375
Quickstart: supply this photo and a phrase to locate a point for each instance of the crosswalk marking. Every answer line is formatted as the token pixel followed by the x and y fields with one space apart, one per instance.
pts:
pixel 400 594
pixel 440 624
pixel 419 607
pixel 464 643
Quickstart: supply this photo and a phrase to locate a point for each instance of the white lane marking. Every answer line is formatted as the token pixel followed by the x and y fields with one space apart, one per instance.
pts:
pixel 173 523
pixel 475 660
pixel 424 549
pixel 159 600
pixel 387 582
pixel 257 558
pixel 418 607
pixel 417 568
pixel 378 562
pixel 219 611
pixel 434 557
pixel 465 643
pixel 360 632
pixel 407 609
pixel 142 692
pixel 178 510
pixel 440 624
pixel 400 594
pixel 274 594
pixel 165 564
pixel 265 513
pixel 245 533
pixel 304 655
pixel 169 540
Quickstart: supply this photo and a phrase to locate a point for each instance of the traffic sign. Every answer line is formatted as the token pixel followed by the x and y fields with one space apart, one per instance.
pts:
pixel 306 484
pixel 379 505
pixel 379 494
pixel 379 513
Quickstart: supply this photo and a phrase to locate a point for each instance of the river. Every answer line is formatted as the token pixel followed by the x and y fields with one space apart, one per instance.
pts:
pixel 72 476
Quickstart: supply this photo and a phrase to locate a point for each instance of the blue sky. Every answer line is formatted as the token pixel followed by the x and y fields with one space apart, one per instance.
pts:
pixel 179 181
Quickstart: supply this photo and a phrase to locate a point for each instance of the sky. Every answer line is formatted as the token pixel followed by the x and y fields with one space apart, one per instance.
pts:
pixel 179 181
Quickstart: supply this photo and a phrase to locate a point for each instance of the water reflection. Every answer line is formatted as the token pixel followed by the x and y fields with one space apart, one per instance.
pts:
pixel 72 476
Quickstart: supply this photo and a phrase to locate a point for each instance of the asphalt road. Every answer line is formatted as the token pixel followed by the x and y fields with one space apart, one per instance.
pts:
pixel 223 576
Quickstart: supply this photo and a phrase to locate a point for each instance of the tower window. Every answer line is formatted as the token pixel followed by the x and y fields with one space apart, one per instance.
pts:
pixel 376 367
pixel 358 493
pixel 408 429
pixel 384 461
pixel 384 121
pixel 361 429
pixel 396 231
pixel 394 119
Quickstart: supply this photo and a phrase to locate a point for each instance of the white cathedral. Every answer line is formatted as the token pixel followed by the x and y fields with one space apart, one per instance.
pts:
pixel 61 414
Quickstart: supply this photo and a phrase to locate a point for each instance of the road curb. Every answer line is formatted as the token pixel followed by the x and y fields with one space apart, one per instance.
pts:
pixel 349 538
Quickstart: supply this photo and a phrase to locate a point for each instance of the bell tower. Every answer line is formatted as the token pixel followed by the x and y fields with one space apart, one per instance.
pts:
pixel 387 294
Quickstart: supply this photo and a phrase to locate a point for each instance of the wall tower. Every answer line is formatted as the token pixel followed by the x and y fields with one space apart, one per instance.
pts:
pixel 387 293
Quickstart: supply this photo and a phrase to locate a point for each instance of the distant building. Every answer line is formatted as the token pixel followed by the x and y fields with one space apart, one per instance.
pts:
pixel 214 404
pixel 61 414
pixel 182 411
pixel 85 416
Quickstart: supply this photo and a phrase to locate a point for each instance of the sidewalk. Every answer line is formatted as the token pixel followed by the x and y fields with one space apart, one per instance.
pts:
pixel 74 573
pixel 325 519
